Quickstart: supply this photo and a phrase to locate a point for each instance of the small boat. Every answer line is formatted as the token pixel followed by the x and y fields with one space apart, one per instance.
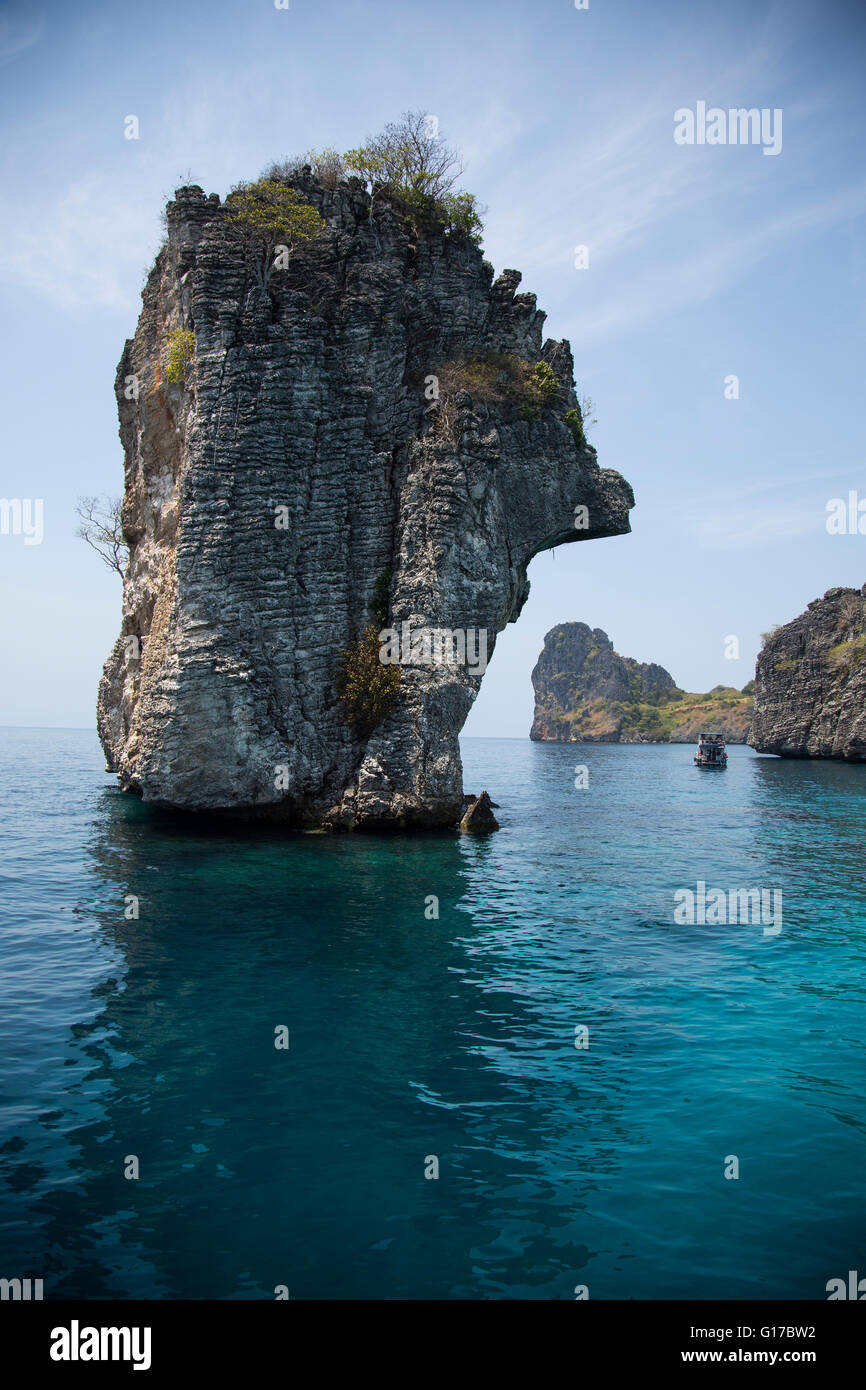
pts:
pixel 711 751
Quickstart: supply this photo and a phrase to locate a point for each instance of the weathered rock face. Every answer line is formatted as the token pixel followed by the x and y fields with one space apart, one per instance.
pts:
pixel 810 682
pixel 310 396
pixel 585 692
pixel 478 816
pixel 578 672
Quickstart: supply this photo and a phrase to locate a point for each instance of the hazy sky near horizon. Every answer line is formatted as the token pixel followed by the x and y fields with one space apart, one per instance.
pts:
pixel 705 261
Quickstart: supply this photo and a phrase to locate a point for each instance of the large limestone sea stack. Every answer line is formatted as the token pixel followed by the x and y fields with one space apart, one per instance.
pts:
pixel 301 475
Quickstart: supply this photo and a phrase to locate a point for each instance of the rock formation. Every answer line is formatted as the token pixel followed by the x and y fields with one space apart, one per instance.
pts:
pixel 810 682
pixel 304 471
pixel 478 816
pixel 585 692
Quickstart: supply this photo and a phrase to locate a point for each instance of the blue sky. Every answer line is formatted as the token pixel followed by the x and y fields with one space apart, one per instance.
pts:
pixel 704 261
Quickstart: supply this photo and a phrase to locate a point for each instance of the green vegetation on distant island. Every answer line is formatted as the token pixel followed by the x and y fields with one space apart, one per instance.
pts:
pixel 677 718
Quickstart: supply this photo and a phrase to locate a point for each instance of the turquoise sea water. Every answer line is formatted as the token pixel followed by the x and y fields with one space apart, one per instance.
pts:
pixel 412 1037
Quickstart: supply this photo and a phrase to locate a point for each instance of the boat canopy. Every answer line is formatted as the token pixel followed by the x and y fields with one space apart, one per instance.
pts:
pixel 721 736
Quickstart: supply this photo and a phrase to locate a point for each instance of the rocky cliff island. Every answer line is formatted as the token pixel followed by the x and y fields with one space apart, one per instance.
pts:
pixel 585 692
pixel 810 682
pixel 336 421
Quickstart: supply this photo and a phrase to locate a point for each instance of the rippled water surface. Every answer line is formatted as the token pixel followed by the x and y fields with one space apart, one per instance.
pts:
pixel 413 1037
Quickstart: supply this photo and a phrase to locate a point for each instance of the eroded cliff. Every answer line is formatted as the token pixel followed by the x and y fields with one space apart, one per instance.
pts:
pixel 303 475
pixel 810 682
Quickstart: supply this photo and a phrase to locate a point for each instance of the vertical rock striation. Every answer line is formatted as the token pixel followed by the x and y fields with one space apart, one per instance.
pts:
pixel 583 687
pixel 810 682
pixel 309 396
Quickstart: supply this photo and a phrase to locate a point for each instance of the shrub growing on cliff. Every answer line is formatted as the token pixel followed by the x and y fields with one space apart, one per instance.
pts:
pixel 542 379
pixel 492 379
pixel 852 614
pixel 575 424
pixel 326 165
pixel 270 214
pixel 846 654
pixel 181 352
pixel 462 213
pixel 587 406
pixel 500 378
pixel 408 154
pixel 578 421
pixel 454 212
pixel 410 163
pixel 366 686
pixel 101 527
pixel 378 605
pixel 541 388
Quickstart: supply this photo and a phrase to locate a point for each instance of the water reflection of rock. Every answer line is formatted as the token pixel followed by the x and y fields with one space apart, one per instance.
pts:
pixel 407 1037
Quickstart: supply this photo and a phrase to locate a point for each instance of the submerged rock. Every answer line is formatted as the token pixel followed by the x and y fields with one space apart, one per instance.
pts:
pixel 302 476
pixel 810 682
pixel 479 817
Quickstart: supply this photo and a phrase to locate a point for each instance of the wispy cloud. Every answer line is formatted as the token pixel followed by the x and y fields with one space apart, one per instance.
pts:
pixel 100 239
pixel 19 30
pixel 104 225
pixel 668 227
pixel 698 278
pixel 719 525
pixel 718 522
pixel 618 173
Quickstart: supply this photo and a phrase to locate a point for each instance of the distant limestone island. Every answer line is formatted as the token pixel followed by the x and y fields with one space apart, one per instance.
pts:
pixel 585 692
